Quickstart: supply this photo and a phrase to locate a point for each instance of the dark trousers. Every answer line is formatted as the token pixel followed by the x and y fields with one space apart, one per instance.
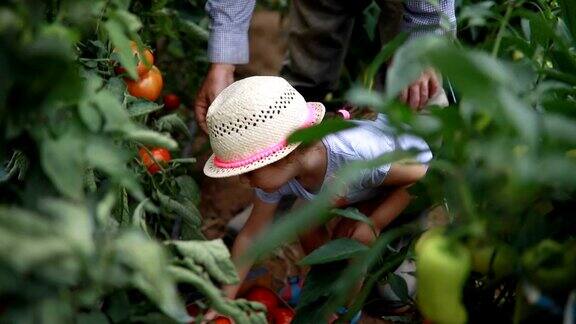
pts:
pixel 319 37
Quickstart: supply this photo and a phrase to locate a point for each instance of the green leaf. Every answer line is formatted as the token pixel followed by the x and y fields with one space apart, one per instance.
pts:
pixel 115 116
pixel 186 209
pixel 90 116
pixel 339 249
pixel 188 188
pixel 73 223
pixel 149 262
pixel 148 137
pixel 64 164
pixel 384 55
pixel 129 20
pixel 121 42
pixel 364 97
pixel 354 214
pixel 171 123
pixel 399 286
pixel 568 11
pixel 314 133
pixel 213 256
pixel 104 155
pixel 143 107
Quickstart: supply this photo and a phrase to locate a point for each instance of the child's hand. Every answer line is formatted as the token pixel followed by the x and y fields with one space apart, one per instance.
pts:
pixel 364 233
pixel 355 230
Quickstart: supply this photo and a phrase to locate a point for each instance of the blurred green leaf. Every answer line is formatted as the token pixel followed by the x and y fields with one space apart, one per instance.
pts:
pixel 121 43
pixel 172 123
pixel 314 133
pixel 148 137
pixel 213 256
pixel 354 214
pixel 148 261
pixel 569 15
pixel 64 164
pixel 142 107
pixel 399 286
pixel 335 250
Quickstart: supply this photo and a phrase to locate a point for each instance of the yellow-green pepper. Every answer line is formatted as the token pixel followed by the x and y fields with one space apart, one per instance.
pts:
pixel 442 267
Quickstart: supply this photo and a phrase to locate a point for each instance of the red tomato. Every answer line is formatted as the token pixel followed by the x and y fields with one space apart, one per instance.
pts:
pixel 222 320
pixel 283 315
pixel 141 67
pixel 264 296
pixel 161 155
pixel 148 86
pixel 171 101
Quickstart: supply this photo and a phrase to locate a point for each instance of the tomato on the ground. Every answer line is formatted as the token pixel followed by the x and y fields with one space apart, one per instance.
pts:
pixel 149 86
pixel 171 101
pixel 264 296
pixel 161 155
pixel 283 315
pixel 222 320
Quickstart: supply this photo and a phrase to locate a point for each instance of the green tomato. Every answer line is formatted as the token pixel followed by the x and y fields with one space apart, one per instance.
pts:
pixel 442 267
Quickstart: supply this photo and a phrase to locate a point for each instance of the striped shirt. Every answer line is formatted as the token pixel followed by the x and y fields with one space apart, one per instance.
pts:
pixel 230 19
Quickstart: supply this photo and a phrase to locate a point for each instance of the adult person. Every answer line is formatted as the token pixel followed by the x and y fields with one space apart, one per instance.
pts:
pixel 319 35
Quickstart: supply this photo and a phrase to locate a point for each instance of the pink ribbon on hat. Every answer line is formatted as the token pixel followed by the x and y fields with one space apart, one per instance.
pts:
pixel 267 151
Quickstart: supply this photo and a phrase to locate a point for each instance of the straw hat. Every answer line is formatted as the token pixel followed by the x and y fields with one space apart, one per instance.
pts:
pixel 249 123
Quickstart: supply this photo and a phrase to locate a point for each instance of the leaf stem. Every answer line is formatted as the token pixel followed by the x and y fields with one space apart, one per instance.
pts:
pixel 503 24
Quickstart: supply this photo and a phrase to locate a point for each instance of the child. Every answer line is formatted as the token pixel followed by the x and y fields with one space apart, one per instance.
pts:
pixel 249 123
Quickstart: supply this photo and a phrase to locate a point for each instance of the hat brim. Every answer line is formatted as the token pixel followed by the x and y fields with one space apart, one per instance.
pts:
pixel 213 171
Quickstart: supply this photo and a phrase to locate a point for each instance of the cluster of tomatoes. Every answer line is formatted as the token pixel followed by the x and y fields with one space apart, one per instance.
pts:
pixel 149 86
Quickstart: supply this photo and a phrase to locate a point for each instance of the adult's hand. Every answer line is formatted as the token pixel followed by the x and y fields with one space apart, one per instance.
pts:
pixel 219 76
pixel 424 88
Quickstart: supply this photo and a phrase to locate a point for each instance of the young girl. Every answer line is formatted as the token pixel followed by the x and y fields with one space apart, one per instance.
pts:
pixel 249 123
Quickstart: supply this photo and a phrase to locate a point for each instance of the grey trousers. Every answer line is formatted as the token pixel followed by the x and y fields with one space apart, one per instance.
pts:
pixel 319 37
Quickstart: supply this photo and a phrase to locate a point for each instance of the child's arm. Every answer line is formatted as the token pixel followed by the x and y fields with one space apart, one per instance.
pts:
pixel 399 177
pixel 261 216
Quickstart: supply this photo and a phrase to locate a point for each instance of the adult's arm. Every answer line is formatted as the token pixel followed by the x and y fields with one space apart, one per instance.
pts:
pixel 421 17
pixel 229 23
pixel 227 45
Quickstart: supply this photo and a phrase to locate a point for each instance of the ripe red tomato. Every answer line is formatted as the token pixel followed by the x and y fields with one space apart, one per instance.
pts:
pixel 222 320
pixel 283 315
pixel 141 67
pixel 149 86
pixel 264 296
pixel 161 155
pixel 171 101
